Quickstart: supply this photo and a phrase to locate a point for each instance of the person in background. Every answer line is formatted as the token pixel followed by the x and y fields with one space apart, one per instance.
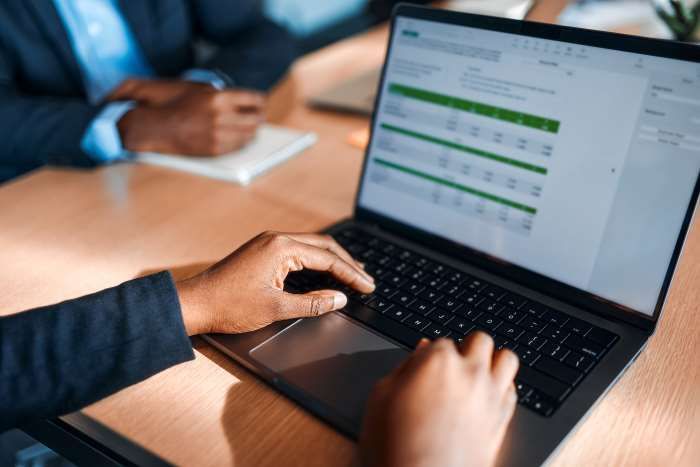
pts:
pixel 444 406
pixel 87 82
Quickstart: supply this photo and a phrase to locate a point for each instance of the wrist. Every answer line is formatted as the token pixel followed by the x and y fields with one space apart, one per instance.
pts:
pixel 192 308
pixel 136 131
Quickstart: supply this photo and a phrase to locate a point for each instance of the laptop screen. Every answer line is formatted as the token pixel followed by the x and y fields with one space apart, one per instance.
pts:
pixel 572 161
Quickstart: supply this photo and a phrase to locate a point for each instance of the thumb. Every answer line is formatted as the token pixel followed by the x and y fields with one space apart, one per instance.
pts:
pixel 311 304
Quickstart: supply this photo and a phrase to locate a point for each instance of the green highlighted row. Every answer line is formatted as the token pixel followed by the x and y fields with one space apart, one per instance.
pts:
pixel 409 33
pixel 485 110
pixel 474 151
pixel 457 186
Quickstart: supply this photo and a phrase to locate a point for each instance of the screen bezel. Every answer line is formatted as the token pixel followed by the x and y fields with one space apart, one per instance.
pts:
pixel 521 275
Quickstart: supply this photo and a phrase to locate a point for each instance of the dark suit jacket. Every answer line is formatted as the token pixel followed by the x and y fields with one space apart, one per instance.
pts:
pixel 43 107
pixel 58 359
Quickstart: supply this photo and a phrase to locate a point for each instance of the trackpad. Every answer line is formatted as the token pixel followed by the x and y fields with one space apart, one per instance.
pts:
pixel 332 360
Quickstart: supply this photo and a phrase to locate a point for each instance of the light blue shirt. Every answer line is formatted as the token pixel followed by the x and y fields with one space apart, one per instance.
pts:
pixel 108 53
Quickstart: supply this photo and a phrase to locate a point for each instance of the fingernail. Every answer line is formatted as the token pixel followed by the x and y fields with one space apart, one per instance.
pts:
pixel 339 300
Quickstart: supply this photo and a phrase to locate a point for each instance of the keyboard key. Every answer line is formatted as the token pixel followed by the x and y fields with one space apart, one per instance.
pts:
pixel 532 323
pixel 433 282
pixel 437 269
pixel 406 255
pixel 554 333
pixel 499 342
pixel 469 312
pixel 555 317
pixel 420 306
pixel 513 300
pixel 367 255
pixel 458 338
pixel 494 292
pixel 439 316
pixel 545 384
pixel 400 266
pixel 417 274
pixel 431 296
pixel 449 304
pixel 601 337
pixel 533 340
pixel 395 280
pixel 417 322
pixel 534 309
pixel 403 299
pixel 490 306
pixel 522 390
pixel 397 313
pixel 460 325
pixel 511 315
pixel 555 351
pixel 584 346
pixel 527 355
pixel 488 321
pixel 580 362
pixel 382 260
pixel 435 330
pixel 539 404
pixel 420 262
pixel 397 331
pixel 456 276
pixel 511 331
pixel 476 285
pixel 453 290
pixel 576 326
pixel 472 299
pixel 559 370
pixel 413 287
pixel 385 291
pixel 380 304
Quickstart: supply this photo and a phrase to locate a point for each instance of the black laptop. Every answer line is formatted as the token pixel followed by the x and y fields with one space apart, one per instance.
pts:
pixel 532 181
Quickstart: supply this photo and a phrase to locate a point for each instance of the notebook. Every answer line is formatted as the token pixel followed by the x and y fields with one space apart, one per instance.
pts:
pixel 272 146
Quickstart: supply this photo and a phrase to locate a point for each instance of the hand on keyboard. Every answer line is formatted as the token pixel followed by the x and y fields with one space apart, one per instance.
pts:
pixel 244 291
pixel 446 405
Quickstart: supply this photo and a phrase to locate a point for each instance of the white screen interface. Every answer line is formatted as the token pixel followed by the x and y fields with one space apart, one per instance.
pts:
pixel 575 162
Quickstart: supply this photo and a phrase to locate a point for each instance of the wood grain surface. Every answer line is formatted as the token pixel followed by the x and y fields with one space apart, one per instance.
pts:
pixel 64 233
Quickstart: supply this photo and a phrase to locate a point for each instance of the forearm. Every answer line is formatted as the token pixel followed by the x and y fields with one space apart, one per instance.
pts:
pixel 43 130
pixel 60 358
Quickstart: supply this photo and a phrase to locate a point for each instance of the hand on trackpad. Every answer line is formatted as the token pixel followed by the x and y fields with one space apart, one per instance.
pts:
pixel 332 360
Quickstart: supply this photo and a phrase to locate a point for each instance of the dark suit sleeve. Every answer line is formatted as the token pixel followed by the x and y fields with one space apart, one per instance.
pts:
pixel 38 130
pixel 253 51
pixel 60 358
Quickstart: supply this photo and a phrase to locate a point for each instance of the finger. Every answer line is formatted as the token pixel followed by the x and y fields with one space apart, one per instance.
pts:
pixel 504 368
pixel 478 348
pixel 311 304
pixel 328 243
pixel 244 121
pixel 318 259
pixel 241 100
pixel 415 360
pixel 510 400
pixel 423 343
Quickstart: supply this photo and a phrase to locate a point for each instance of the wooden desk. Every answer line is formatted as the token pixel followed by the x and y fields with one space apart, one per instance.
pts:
pixel 64 233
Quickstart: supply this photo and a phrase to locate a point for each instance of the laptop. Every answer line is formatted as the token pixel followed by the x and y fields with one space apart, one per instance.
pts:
pixel 532 181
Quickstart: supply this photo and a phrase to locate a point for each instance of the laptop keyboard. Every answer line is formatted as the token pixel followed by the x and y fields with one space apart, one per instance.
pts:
pixel 416 297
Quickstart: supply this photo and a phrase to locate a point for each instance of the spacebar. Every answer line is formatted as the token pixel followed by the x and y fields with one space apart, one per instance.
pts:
pixel 384 325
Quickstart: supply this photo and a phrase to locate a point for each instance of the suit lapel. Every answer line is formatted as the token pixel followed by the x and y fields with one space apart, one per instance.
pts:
pixel 52 27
